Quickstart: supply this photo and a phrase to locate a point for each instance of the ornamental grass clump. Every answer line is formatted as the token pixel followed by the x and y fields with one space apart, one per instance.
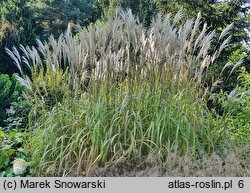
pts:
pixel 117 90
pixel 122 47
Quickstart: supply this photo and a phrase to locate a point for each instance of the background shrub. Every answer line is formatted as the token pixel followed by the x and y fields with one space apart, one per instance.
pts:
pixel 9 36
pixel 10 91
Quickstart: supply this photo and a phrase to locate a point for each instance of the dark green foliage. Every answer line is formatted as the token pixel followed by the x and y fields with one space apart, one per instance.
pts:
pixel 9 36
pixel 16 26
pixel 10 90
pixel 17 13
pixel 53 16
pixel 11 148
pixel 144 9
pixel 17 115
pixel 236 104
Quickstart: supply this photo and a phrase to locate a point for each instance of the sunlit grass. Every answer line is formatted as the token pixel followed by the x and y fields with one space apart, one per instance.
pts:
pixel 118 90
pixel 101 129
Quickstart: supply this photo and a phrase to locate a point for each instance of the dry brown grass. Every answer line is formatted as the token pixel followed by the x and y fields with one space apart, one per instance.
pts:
pixel 233 164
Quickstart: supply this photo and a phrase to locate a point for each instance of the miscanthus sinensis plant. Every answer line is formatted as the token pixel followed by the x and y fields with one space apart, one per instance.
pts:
pixel 116 89
pixel 122 47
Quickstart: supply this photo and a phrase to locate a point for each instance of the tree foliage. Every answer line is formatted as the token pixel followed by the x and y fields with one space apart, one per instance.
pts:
pixel 16 12
pixel 144 9
pixel 9 36
pixel 53 16
pixel 15 27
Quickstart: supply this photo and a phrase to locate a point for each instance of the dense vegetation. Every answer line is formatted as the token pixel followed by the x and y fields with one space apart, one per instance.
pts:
pixel 161 78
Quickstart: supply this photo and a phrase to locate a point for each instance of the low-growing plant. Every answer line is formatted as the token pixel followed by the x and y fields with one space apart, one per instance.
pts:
pixel 12 148
pixel 17 115
pixel 10 91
